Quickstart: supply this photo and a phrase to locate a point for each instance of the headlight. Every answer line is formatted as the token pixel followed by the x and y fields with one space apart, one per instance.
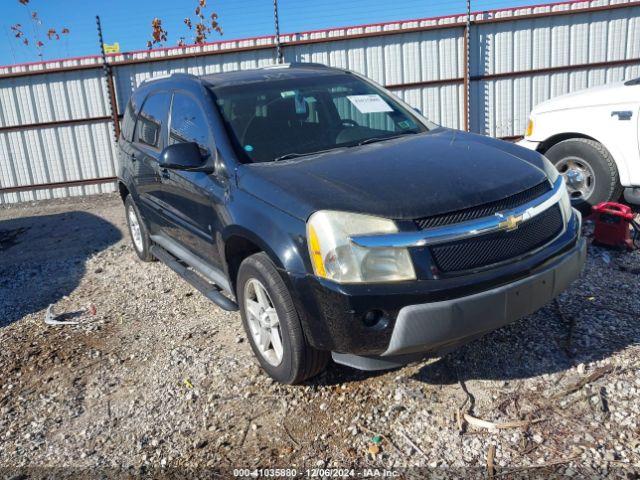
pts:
pixel 336 258
pixel 550 169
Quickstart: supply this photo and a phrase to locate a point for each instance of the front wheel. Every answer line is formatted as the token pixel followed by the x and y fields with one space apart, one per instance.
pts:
pixel 272 324
pixel 589 171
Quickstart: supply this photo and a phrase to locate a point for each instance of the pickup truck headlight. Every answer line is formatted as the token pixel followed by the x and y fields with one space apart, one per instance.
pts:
pixel 529 131
pixel 336 258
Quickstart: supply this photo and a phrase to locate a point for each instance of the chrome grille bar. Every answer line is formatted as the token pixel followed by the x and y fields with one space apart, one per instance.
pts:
pixel 502 221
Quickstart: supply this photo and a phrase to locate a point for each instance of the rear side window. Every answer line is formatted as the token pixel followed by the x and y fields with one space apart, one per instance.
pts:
pixel 188 122
pixel 128 122
pixel 149 124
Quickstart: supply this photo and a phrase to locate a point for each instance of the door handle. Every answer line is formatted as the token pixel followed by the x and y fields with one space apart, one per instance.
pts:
pixel 164 173
pixel 622 115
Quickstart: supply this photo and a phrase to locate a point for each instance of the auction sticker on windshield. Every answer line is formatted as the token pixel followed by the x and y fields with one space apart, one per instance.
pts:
pixel 372 103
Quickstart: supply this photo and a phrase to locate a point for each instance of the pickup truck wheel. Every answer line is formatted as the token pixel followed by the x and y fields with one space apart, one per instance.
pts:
pixel 272 324
pixel 589 170
pixel 138 231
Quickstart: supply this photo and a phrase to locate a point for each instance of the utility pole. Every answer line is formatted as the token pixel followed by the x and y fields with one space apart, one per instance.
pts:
pixel 467 69
pixel 279 56
pixel 108 74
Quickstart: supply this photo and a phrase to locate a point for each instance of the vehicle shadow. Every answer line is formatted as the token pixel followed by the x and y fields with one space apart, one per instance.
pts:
pixel 42 258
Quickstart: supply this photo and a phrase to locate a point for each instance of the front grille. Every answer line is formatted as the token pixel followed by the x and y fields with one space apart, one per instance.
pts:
pixel 486 210
pixel 497 247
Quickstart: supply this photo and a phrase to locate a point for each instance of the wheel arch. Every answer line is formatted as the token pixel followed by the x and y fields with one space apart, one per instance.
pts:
pixel 123 190
pixel 240 243
pixel 614 151
pixel 237 248
pixel 544 146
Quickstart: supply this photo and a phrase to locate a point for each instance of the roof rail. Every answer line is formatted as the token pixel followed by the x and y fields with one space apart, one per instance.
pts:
pixel 169 75
pixel 295 64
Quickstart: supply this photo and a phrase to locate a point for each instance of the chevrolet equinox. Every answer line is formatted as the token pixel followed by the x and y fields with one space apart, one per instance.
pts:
pixel 340 221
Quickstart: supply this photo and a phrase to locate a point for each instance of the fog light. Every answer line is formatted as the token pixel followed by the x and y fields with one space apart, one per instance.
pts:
pixel 375 319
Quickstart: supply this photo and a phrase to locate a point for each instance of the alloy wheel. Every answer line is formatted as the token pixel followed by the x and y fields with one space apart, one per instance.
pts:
pixel 263 321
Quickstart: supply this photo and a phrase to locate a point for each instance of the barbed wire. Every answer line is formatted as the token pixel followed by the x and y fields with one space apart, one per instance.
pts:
pixel 243 19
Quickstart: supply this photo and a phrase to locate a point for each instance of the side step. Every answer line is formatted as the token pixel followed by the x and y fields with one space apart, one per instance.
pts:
pixel 212 292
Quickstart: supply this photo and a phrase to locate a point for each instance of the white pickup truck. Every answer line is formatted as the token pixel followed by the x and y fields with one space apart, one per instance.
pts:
pixel 592 138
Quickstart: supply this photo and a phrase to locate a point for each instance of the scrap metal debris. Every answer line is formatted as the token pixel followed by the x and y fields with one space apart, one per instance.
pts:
pixel 51 318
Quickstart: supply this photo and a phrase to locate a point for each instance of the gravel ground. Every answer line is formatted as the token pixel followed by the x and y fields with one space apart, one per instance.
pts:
pixel 154 376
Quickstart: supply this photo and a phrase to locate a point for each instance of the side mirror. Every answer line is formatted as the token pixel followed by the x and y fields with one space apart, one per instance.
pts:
pixel 184 156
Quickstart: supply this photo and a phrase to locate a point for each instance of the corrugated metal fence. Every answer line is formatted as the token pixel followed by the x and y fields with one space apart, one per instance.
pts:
pixel 56 135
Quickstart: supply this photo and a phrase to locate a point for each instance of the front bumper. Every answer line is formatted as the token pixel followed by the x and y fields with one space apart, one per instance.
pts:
pixel 439 327
pixel 430 310
pixel 332 314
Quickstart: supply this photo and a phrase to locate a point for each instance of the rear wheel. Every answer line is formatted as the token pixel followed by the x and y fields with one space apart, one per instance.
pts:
pixel 138 231
pixel 272 324
pixel 589 171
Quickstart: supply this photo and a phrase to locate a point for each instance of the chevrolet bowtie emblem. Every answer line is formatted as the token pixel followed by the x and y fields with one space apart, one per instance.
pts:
pixel 512 222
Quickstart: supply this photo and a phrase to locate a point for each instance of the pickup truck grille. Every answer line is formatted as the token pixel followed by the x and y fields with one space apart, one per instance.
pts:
pixel 497 247
pixel 485 210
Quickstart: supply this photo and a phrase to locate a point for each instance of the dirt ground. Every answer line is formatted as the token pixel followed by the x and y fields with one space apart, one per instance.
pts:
pixel 154 378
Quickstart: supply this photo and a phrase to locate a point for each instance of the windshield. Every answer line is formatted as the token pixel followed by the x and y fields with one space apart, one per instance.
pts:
pixel 280 119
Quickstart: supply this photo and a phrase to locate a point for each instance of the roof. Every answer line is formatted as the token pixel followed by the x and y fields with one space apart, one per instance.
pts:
pixel 276 72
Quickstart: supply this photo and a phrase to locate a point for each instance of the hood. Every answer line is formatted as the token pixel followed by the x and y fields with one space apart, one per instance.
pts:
pixel 610 94
pixel 405 178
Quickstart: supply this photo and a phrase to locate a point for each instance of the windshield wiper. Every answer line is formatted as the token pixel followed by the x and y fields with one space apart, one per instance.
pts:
pixel 288 156
pixel 386 137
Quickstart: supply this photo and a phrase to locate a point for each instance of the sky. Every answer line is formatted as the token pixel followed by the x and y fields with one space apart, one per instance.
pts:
pixel 129 21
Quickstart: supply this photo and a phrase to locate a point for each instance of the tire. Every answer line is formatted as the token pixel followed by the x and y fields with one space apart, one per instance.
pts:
pixel 143 246
pixel 298 360
pixel 587 158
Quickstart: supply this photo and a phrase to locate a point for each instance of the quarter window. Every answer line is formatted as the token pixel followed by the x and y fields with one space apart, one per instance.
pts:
pixel 153 113
pixel 129 122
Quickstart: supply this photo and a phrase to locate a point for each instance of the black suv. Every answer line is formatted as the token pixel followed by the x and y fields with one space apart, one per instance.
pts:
pixel 337 219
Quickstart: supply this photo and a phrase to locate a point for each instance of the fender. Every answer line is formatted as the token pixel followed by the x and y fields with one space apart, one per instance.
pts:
pixel 281 236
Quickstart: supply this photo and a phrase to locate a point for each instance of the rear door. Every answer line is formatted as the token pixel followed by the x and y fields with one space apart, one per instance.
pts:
pixel 149 139
pixel 191 198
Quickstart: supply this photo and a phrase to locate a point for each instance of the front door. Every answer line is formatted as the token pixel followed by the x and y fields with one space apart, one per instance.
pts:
pixel 191 198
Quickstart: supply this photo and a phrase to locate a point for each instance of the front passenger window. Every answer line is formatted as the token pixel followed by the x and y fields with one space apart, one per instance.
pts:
pixel 188 122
